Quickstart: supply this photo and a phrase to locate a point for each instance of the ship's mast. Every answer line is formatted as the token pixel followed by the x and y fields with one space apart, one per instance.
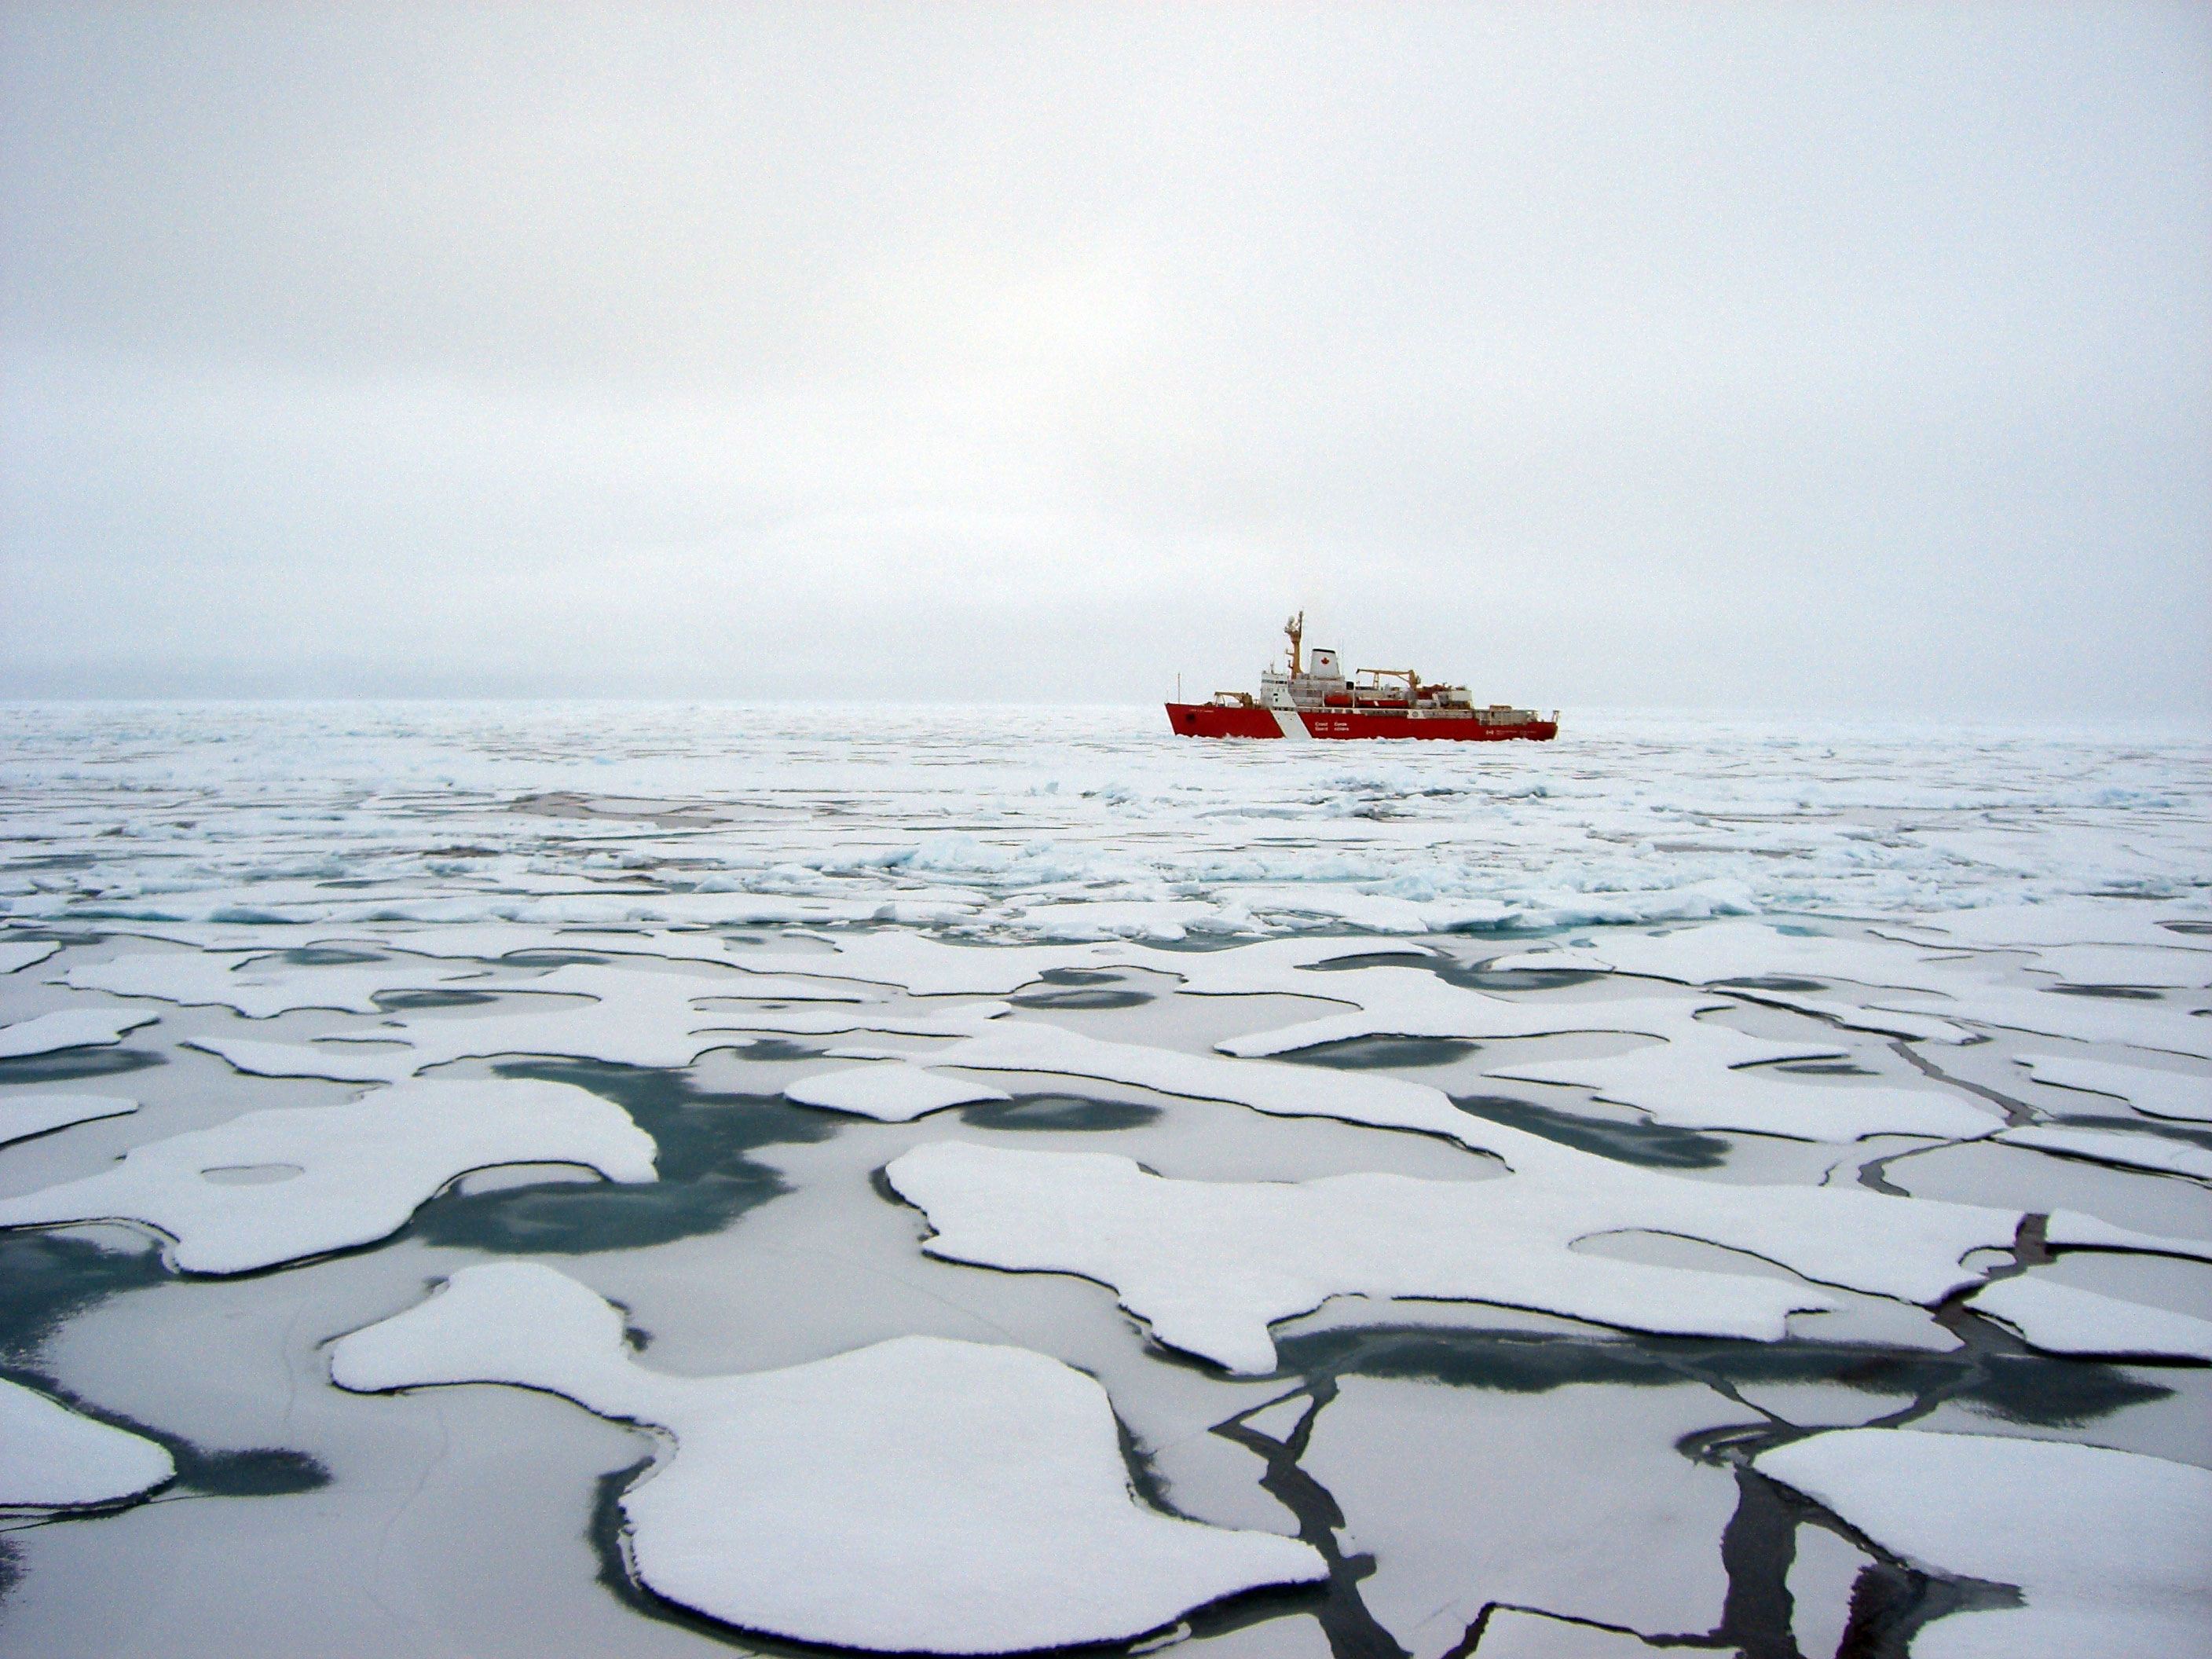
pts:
pixel 1296 628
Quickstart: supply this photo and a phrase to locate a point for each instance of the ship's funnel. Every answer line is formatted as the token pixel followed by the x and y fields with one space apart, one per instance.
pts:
pixel 1322 665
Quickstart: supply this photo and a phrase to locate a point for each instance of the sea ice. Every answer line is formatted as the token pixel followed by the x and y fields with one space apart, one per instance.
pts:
pixel 69 1028
pixel 2064 920
pixel 919 1495
pixel 2107 1548
pixel 17 954
pixel 2061 1319
pixel 1571 1498
pixel 893 1092
pixel 53 1458
pixel 322 1178
pixel 1516 1633
pixel 2160 1094
pixel 1744 950
pixel 1413 1003
pixel 1210 1265
pixel 2136 1151
pixel 351 1062
pixel 641 1018
pixel 2173 966
pixel 1693 1079
pixel 2086 1019
pixel 22 1117
pixel 1906 1249
pixel 261 986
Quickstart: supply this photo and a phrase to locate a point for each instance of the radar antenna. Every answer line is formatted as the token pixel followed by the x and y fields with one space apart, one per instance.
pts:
pixel 1296 628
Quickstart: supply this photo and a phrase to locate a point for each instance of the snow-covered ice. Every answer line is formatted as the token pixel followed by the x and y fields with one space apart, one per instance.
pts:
pixel 2107 1548
pixel 260 985
pixel 2136 1151
pixel 51 1457
pixel 24 1116
pixel 1209 1266
pixel 893 1092
pixel 2061 1319
pixel 1391 1025
pixel 2158 1093
pixel 278 1185
pixel 18 954
pixel 918 1495
pixel 68 1027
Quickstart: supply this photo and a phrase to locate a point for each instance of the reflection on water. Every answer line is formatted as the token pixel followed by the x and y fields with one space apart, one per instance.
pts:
pixel 1058 1112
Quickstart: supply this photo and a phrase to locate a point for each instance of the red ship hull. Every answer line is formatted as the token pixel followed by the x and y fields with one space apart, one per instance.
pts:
pixel 1207 719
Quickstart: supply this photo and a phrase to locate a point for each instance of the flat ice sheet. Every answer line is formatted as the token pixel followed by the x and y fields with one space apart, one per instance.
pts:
pixel 2107 1548
pixel 1697 1078
pixel 1210 1265
pixel 1606 1520
pixel 1744 950
pixel 258 986
pixel 921 1494
pixel 69 1028
pixel 2062 1319
pixel 18 954
pixel 893 1092
pixel 50 1457
pixel 24 1116
pixel 277 1186
pixel 1907 1249
pixel 1510 1633
pixel 2135 1151
pixel 2160 1094
pixel 2069 920
pixel 2155 1025
pixel 347 1063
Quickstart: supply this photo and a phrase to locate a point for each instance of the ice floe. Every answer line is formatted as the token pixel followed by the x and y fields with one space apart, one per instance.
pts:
pixel 260 985
pixel 18 954
pixel 51 1457
pixel 1629 1536
pixel 1519 1633
pixel 1815 1231
pixel 929 967
pixel 2136 1150
pixel 24 1116
pixel 350 1062
pixel 1210 1265
pixel 919 1495
pixel 69 1028
pixel 276 1186
pixel 2166 967
pixel 1694 1080
pixel 1412 1002
pixel 2084 1018
pixel 2057 921
pixel 2107 1548
pixel 893 1092
pixel 1690 1079
pixel 625 1017
pixel 1743 950
pixel 2063 1319
pixel 2159 1094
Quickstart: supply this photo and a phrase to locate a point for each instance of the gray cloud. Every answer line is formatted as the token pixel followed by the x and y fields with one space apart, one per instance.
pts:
pixel 1814 357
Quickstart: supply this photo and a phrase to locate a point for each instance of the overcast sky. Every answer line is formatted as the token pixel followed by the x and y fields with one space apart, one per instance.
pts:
pixel 1794 355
